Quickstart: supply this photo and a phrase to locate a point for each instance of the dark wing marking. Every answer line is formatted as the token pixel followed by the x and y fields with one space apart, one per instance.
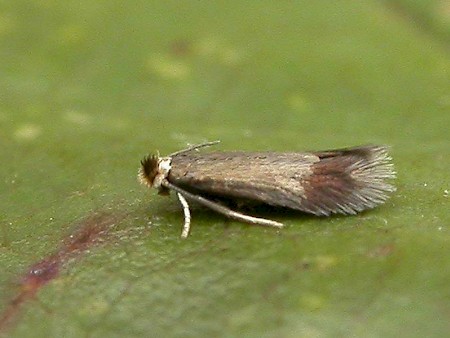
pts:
pixel 348 181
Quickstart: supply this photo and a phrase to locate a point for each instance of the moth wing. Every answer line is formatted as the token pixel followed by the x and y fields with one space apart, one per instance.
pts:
pixel 336 181
pixel 273 178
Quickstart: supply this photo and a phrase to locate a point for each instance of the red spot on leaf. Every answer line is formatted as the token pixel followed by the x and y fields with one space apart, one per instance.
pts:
pixel 90 231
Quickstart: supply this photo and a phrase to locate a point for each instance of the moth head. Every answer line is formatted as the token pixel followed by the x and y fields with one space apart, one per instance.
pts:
pixel 154 170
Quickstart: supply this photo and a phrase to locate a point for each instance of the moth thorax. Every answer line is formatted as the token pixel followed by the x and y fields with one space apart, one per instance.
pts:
pixel 164 166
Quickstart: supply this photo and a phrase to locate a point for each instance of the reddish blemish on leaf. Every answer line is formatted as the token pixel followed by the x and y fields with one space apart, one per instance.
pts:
pixel 90 231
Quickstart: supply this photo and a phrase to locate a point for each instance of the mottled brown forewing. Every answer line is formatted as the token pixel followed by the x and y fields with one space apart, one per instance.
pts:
pixel 273 178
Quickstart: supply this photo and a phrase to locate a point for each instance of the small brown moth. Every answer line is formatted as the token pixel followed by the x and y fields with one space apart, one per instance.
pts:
pixel 342 181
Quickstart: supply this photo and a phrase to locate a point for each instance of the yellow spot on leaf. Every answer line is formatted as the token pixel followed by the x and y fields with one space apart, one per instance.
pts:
pixel 168 68
pixel 297 102
pixel 223 53
pixel 95 308
pixel 231 56
pixel 443 11
pixel 77 117
pixel 312 301
pixel 71 34
pixel 27 132
pixel 325 262
pixel 7 24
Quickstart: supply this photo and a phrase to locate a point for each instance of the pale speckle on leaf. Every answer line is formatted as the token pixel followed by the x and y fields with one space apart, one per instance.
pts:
pixel 444 100
pixel 95 308
pixel 118 123
pixel 248 133
pixel 7 24
pixel 71 34
pixel 207 46
pixel 168 68
pixel 443 11
pixel 27 132
pixel 312 301
pixel 323 263
pixel 225 54
pixel 77 117
pixel 231 56
pixel 297 102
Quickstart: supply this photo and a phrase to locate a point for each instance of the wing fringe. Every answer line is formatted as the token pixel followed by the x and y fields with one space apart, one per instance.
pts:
pixel 348 181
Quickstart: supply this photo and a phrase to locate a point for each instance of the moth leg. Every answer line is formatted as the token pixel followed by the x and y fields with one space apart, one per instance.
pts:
pixel 222 209
pixel 187 216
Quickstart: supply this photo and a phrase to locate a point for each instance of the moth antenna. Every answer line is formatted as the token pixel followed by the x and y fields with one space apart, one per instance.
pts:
pixel 195 147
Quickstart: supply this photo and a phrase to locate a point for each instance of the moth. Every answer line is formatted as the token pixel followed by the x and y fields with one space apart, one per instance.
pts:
pixel 341 181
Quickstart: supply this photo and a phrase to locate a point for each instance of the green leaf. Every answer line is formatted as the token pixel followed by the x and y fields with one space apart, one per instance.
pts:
pixel 89 88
